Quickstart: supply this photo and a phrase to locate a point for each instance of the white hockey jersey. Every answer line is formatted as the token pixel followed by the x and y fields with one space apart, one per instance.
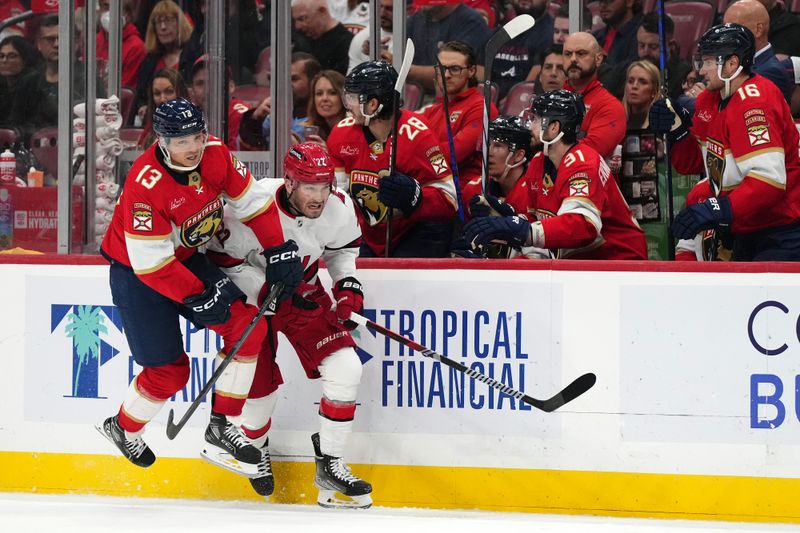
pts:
pixel 334 236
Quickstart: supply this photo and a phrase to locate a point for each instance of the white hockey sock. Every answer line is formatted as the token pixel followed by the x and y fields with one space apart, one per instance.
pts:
pixel 235 381
pixel 333 436
pixel 138 406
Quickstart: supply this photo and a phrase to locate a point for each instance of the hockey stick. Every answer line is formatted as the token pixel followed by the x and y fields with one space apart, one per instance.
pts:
pixel 662 60
pixel 174 429
pixel 450 142
pixel 569 393
pixel 510 30
pixel 408 57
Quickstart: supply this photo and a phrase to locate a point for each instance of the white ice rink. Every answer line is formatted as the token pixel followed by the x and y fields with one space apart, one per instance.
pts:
pixel 22 513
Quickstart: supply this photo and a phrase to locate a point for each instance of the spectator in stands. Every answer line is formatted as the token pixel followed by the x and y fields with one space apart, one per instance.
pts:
pixel 167 85
pixel 618 37
pixel 359 46
pixel 236 107
pixel 255 127
pixel 604 121
pixel 753 15
pixel 552 75
pixel 642 88
pixel 325 106
pixel 561 23
pixel 519 59
pixel 465 102
pixel 18 58
pixel 435 24
pixel 168 30
pixel 36 101
pixel 784 29
pixel 133 48
pixel 648 45
pixel 320 34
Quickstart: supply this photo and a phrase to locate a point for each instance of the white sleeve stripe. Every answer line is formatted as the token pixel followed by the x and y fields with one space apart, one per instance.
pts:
pixel 583 207
pixel 149 255
pixel 770 168
pixel 248 206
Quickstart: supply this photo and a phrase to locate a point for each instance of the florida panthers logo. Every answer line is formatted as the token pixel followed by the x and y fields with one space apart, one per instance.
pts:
pixel 364 190
pixel 200 227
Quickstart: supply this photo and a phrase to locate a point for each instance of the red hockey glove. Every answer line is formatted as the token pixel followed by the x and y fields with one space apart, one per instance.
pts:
pixel 349 298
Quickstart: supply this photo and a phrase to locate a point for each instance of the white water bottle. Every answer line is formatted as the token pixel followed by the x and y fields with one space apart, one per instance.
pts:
pixel 8 168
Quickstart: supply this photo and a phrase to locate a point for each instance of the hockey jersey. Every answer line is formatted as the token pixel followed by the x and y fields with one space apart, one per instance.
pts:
pixel 748 147
pixel 361 160
pixel 334 236
pixel 581 208
pixel 163 217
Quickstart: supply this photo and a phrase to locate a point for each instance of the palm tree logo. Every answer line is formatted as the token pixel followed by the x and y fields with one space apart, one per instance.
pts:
pixel 84 326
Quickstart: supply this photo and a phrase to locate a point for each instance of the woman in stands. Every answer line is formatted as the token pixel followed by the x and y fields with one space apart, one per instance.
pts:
pixel 642 86
pixel 17 58
pixel 325 107
pixel 167 85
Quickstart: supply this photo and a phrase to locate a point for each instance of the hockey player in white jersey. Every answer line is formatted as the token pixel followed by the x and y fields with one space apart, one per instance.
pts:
pixel 322 221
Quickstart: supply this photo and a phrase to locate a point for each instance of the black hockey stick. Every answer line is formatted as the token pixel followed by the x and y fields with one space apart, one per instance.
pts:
pixel 569 393
pixel 509 30
pixel 408 57
pixel 174 429
pixel 450 142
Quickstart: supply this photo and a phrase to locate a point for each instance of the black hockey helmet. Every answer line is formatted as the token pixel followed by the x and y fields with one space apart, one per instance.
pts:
pixel 177 118
pixel 564 106
pixel 372 79
pixel 512 131
pixel 725 40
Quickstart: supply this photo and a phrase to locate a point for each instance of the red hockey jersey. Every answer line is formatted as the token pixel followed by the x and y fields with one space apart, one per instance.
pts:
pixel 748 147
pixel 466 121
pixel 581 208
pixel 361 160
pixel 159 222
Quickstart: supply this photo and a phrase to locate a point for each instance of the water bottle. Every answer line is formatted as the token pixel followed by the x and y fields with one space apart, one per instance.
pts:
pixel 6 219
pixel 8 168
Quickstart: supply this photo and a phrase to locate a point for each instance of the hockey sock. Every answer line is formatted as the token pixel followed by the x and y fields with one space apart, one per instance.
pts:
pixel 232 387
pixel 148 392
pixel 336 424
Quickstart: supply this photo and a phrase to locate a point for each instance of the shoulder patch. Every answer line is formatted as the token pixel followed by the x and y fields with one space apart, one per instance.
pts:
pixel 579 184
pixel 142 217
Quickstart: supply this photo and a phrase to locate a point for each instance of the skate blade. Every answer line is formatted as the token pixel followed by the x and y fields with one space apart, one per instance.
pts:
pixel 330 499
pixel 228 462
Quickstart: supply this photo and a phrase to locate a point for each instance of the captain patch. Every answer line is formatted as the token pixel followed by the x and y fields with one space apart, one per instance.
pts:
pixel 142 217
pixel 758 135
pixel 579 187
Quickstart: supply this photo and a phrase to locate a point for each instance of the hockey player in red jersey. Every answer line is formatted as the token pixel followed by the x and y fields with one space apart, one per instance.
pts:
pixel 578 207
pixel 465 105
pixel 421 191
pixel 744 138
pixel 172 204
pixel 322 220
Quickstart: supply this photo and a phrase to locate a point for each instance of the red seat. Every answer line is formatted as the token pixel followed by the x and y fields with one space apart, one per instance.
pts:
pixel 518 98
pixel 412 95
pixel 793 6
pixel 692 19
pixel 494 91
pixel 44 145
pixel 126 95
pixel 262 66
pixel 7 138
pixel 130 136
pixel 251 94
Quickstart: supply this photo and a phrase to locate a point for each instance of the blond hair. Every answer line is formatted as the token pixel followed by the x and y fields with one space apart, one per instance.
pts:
pixel 166 8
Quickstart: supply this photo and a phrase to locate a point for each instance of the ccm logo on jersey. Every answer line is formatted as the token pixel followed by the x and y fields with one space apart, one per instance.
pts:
pixel 217 293
pixel 283 256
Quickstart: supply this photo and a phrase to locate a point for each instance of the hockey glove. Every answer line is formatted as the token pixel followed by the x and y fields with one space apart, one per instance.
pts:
pixel 349 298
pixel 284 264
pixel 299 311
pixel 213 305
pixel 460 248
pixel 713 213
pixel 665 119
pixel 484 206
pixel 400 192
pixel 480 232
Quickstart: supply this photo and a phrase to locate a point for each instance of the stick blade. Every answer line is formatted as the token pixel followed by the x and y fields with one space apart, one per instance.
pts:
pixel 518 24
pixel 408 59
pixel 172 429
pixel 569 393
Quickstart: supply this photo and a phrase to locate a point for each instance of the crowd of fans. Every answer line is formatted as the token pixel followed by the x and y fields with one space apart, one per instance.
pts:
pixel 615 63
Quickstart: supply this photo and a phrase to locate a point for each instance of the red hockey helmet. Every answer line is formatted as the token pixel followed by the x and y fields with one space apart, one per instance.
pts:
pixel 308 163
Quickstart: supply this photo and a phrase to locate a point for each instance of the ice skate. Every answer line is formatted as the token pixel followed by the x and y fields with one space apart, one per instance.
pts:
pixel 227 447
pixel 264 483
pixel 135 450
pixel 333 475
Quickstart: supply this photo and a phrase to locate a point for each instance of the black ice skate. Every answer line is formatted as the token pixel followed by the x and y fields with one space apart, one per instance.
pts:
pixel 264 483
pixel 333 475
pixel 135 450
pixel 229 448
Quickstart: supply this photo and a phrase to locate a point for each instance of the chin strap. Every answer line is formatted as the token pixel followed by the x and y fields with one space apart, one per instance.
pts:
pixel 162 143
pixel 367 117
pixel 727 91
pixel 541 136
pixel 509 166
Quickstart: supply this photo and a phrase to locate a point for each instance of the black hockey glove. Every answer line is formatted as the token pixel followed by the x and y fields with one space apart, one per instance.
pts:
pixel 664 118
pixel 213 305
pixel 284 264
pixel 484 206
pixel 480 232
pixel 349 298
pixel 400 192
pixel 713 213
